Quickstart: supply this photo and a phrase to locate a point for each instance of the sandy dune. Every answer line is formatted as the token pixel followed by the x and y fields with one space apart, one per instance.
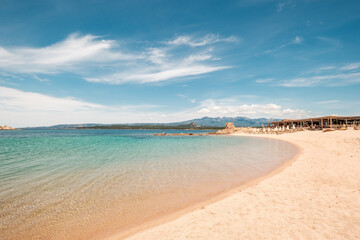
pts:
pixel 317 196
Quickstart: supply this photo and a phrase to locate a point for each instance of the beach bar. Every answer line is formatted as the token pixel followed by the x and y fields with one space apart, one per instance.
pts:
pixel 319 122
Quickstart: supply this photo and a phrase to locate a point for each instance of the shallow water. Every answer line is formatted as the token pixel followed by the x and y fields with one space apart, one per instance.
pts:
pixel 81 184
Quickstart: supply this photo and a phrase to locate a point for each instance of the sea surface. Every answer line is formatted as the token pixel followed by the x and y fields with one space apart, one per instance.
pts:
pixel 89 184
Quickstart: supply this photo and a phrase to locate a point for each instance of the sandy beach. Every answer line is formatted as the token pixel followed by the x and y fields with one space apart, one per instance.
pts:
pixel 314 196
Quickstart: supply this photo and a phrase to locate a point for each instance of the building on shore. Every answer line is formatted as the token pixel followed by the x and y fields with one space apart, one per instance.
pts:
pixel 319 122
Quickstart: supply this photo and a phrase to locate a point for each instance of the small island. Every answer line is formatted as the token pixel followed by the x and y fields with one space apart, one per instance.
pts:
pixel 5 127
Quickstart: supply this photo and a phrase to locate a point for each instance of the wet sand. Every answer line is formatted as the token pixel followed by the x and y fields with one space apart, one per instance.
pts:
pixel 314 196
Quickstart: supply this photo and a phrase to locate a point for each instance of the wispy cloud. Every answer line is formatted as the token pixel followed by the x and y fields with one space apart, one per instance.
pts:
pixel 17 100
pixel 330 41
pixel 197 58
pixel 318 70
pixel 296 40
pixel 264 80
pixel 281 6
pixel 336 76
pixel 202 41
pixel 156 76
pixel 88 56
pixel 186 97
pixel 22 108
pixel 328 102
pixel 39 78
pixel 324 80
pixel 65 55
pixel 234 108
pixel 351 66
pixel 167 62
pixel 181 95
pixel 321 69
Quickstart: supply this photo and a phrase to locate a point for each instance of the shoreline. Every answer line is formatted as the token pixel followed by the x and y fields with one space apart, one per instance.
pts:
pixel 284 196
pixel 168 217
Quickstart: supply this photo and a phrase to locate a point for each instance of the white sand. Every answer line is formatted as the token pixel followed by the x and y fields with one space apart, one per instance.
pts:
pixel 317 196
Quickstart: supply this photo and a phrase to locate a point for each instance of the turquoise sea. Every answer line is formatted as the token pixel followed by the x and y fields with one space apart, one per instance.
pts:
pixel 83 184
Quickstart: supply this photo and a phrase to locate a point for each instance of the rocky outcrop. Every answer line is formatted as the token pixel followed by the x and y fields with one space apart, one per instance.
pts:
pixel 230 125
pixel 6 128
pixel 229 129
pixel 185 134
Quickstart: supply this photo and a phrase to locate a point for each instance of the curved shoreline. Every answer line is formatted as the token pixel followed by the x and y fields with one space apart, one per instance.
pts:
pixel 313 196
pixel 168 217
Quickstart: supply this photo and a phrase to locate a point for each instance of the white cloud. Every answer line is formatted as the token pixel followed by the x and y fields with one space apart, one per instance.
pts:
pixel 325 68
pixel 330 41
pixel 264 80
pixel 285 5
pixel 156 76
pixel 13 99
pixel 19 109
pixel 325 80
pixel 322 69
pixel 233 108
pixel 186 97
pixel 329 76
pixel 102 61
pixel 351 66
pixel 181 95
pixel 198 42
pixel 296 40
pixel 328 102
pixel 157 55
pixel 162 64
pixel 61 56
pixel 40 79
pixel 197 58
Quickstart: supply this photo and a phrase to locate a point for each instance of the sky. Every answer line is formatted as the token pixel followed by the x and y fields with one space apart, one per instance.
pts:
pixel 67 62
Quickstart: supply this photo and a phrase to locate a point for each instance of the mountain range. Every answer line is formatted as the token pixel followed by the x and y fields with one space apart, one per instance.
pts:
pixel 205 121
pixel 220 121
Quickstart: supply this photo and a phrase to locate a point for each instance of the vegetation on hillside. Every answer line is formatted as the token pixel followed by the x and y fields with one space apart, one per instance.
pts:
pixel 165 127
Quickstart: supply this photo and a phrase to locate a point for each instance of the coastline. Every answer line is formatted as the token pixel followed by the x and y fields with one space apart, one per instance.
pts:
pixel 168 217
pixel 285 203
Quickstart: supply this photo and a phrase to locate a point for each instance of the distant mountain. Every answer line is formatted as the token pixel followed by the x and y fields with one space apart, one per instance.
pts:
pixel 205 121
pixel 191 126
pixel 220 121
pixel 65 126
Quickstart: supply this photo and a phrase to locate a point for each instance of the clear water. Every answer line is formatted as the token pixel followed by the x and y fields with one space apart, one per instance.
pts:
pixel 81 184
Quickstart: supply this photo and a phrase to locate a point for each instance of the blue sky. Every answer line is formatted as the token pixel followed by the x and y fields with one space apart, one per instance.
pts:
pixel 163 61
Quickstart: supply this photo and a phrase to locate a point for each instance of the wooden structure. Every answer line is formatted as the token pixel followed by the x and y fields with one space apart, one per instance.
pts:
pixel 319 122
